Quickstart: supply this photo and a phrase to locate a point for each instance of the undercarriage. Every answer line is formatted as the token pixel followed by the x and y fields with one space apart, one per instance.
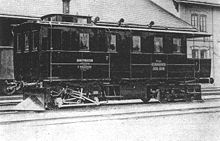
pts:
pixel 56 95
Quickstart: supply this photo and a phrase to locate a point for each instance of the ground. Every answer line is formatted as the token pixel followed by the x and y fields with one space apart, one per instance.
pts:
pixel 186 127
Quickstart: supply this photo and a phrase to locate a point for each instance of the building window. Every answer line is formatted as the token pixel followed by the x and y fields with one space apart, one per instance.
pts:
pixel 136 43
pixel 66 6
pixel 199 22
pixel 112 44
pixel 194 20
pixel 158 44
pixel 203 23
pixel 26 41
pixel 176 45
pixel 195 53
pixel 204 54
pixel 84 41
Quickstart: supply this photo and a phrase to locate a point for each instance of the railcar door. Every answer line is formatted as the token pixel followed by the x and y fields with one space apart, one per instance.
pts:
pixel 6 66
pixel 120 62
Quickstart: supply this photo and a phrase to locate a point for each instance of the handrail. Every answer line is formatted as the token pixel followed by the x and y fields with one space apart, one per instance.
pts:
pixel 6 47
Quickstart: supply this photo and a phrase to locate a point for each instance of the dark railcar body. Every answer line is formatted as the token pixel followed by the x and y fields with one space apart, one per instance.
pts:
pixel 122 57
pixel 57 55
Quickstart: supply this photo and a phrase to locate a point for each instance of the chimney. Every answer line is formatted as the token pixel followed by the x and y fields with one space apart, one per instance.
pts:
pixel 66 6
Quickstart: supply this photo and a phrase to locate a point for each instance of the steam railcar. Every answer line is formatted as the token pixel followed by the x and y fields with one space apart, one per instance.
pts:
pixel 67 60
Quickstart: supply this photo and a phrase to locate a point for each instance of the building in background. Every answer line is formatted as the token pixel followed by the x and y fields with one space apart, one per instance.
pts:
pixel 180 13
pixel 6 44
pixel 205 16
pixel 137 12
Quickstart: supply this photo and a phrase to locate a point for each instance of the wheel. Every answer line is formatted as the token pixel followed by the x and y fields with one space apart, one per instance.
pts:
pixel 170 98
pixel 189 98
pixel 145 99
pixel 163 100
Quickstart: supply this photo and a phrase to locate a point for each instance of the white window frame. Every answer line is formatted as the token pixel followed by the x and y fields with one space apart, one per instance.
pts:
pixel 112 41
pixel 177 47
pixel 84 40
pixel 33 40
pixel 18 42
pixel 26 41
pixel 200 49
pixel 195 20
pixel 158 48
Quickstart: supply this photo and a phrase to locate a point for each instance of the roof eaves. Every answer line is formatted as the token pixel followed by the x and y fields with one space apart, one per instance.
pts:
pixel 18 16
pixel 197 2
pixel 175 31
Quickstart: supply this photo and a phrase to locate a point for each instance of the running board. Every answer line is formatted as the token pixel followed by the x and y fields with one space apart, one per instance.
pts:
pixel 78 105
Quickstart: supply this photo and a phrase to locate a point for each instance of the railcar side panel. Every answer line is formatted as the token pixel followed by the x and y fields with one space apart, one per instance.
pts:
pixel 56 52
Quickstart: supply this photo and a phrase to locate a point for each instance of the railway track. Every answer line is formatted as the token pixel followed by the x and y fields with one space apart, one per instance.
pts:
pixel 211 91
pixel 15 99
pixel 8 102
pixel 106 113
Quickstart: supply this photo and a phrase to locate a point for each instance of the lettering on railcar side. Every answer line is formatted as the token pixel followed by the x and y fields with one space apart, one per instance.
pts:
pixel 84 64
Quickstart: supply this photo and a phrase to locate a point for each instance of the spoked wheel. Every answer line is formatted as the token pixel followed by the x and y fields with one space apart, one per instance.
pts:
pixel 9 90
pixel 79 101
pixel 163 98
pixel 96 99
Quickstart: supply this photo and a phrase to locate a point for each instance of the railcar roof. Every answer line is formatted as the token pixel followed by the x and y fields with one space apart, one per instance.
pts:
pixel 201 2
pixel 133 11
pixel 64 15
pixel 127 26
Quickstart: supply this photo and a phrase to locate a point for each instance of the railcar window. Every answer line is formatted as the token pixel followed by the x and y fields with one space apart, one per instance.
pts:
pixel 136 43
pixel 35 40
pixel 54 18
pixel 26 41
pixel 82 20
pixel 74 19
pixel 176 45
pixel 67 19
pixel 18 42
pixel 56 39
pixel 158 44
pixel 98 41
pixel 45 39
pixel 112 43
pixel 74 41
pixel 66 40
pixel 84 41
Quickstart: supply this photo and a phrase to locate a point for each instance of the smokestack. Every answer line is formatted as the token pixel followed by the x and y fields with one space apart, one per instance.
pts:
pixel 66 6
